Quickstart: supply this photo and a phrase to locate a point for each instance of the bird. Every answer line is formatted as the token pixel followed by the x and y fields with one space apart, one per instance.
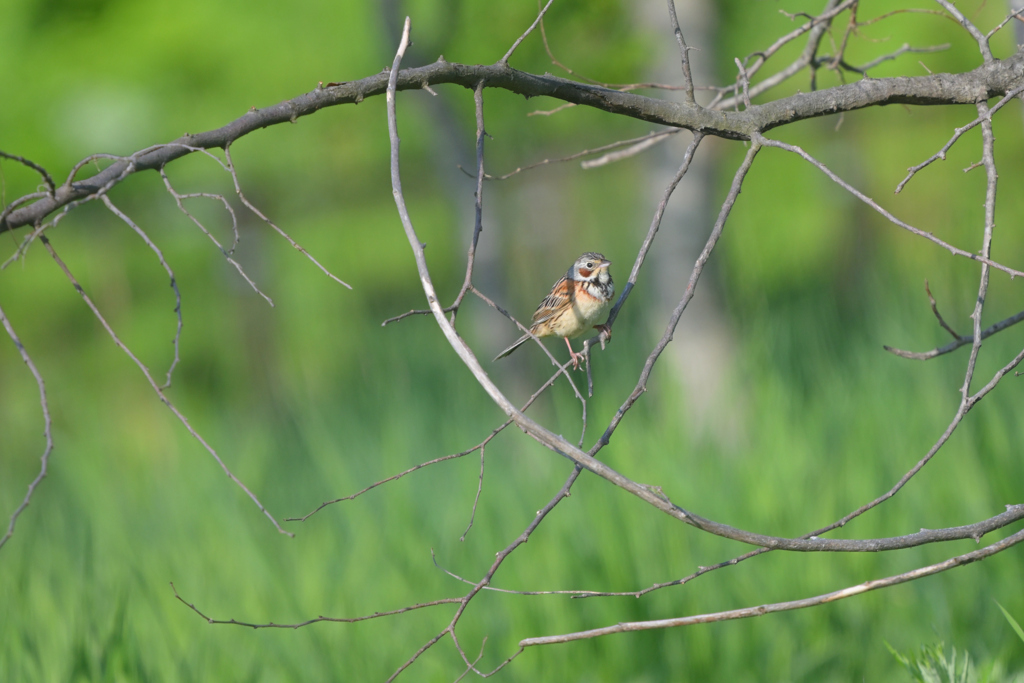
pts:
pixel 574 304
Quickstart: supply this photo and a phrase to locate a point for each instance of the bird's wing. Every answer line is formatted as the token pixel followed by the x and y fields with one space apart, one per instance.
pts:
pixel 558 299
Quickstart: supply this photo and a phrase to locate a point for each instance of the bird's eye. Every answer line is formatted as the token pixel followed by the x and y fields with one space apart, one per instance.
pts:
pixel 590 264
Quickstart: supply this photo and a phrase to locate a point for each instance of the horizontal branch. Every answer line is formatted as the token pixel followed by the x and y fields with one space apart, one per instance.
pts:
pixel 760 610
pixel 958 342
pixel 314 620
pixel 989 80
pixel 925 536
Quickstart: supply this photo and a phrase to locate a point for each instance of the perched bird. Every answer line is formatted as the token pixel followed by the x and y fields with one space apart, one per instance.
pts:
pixel 575 303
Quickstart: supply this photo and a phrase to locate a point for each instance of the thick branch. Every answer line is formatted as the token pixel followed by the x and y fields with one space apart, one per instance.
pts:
pixel 989 80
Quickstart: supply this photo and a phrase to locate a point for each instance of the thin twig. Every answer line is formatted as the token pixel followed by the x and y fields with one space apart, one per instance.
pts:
pixel 234 225
pixel 478 205
pixel 50 186
pixel 975 532
pixel 315 620
pixel 562 368
pixel 816 29
pixel 874 205
pixel 259 214
pixel 744 82
pixel 633 142
pixel 1016 14
pixel 698 268
pixel 156 388
pixel 401 474
pixel 47 428
pixel 979 37
pixel 904 49
pixel 941 154
pixel 631 151
pixel 935 310
pixel 761 610
pixel 176 342
pixel 684 52
pixel 540 16
pixel 987 145
pixel 476 499
pixel 962 341
pixel 551 380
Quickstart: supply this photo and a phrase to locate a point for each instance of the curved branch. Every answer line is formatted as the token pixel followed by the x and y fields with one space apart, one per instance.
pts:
pixel 47 428
pixel 975 532
pixel 651 495
pixel 989 80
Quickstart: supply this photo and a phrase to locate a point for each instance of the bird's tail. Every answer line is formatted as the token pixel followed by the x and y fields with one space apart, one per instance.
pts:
pixel 519 342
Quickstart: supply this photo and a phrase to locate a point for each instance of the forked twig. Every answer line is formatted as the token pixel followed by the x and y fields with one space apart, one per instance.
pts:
pixel 941 154
pixel 761 610
pixel 156 388
pixel 170 273
pixel 315 620
pixel 956 251
pixel 50 186
pixel 975 532
pixel 979 37
pixel 259 214
pixel 961 341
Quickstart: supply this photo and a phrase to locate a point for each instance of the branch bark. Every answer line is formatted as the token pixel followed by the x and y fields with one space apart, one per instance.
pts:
pixel 992 79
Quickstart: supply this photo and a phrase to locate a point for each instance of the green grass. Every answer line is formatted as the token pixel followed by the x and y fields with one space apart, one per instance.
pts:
pixel 312 399
pixel 826 420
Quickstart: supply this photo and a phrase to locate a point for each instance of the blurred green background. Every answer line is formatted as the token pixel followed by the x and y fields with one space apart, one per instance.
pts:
pixel 794 417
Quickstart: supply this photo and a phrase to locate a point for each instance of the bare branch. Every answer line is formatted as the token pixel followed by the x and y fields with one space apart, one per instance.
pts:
pixel 315 620
pixel 478 214
pixel 476 499
pixel 975 532
pixel 904 49
pixel 684 52
pixel 1017 14
pixel 156 388
pixel 637 144
pixel 988 141
pixel 540 17
pixel 234 226
pixel 744 83
pixel 631 151
pixel 44 460
pixel 816 27
pixel 961 341
pixel 51 187
pixel 170 273
pixel 279 231
pixel 941 154
pixel 479 447
pixel 874 205
pixel 979 37
pixel 698 268
pixel 966 404
pixel 760 610
pixel 935 310
pixel 992 79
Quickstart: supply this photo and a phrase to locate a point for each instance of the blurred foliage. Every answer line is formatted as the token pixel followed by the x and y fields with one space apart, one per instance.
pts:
pixel 931 665
pixel 313 399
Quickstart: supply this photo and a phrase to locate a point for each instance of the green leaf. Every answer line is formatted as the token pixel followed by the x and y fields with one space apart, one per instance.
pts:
pixel 1013 622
